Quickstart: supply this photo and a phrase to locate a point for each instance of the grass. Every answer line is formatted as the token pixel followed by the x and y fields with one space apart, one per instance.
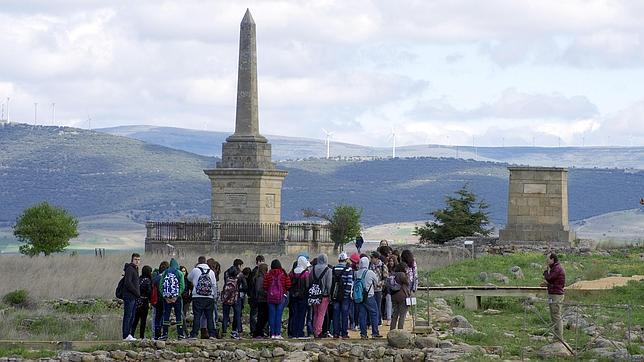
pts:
pixel 25 353
pixel 524 324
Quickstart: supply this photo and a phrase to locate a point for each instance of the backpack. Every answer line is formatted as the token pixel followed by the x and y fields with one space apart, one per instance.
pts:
pixel 204 284
pixel 392 284
pixel 315 291
pixel 170 289
pixel 145 286
pixel 275 290
pixel 298 288
pixel 120 289
pixel 154 294
pixel 337 286
pixel 230 293
pixel 360 294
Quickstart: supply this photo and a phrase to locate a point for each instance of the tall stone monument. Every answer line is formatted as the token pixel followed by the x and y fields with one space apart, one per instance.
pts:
pixel 246 186
pixel 538 205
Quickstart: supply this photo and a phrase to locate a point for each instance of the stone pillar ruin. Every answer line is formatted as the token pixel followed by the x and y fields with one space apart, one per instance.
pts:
pixel 538 205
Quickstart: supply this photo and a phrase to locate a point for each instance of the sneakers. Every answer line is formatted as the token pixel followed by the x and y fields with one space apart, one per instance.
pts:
pixel 235 335
pixel 163 338
pixel 345 337
pixel 129 338
pixel 364 337
pixel 376 336
pixel 279 337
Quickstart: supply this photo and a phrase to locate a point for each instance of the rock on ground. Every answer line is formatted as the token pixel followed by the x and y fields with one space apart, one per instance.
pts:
pixel 553 350
pixel 460 322
pixel 399 338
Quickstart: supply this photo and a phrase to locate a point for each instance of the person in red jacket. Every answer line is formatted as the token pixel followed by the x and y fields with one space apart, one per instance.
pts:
pixel 276 283
pixel 555 277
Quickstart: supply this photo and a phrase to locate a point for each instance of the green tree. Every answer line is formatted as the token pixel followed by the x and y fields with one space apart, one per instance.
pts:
pixel 463 216
pixel 45 229
pixel 344 223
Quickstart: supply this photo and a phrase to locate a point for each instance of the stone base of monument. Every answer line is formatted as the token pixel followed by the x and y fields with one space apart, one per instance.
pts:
pixel 532 232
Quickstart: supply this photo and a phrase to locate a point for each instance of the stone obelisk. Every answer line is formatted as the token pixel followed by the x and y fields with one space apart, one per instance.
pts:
pixel 246 186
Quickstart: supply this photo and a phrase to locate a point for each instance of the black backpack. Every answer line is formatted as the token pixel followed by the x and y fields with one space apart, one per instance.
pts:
pixel 120 289
pixel 298 286
pixel 337 286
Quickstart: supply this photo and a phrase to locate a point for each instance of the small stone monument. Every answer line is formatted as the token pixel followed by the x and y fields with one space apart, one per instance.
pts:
pixel 538 205
pixel 246 186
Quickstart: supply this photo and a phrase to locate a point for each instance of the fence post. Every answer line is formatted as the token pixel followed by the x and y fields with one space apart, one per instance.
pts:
pixel 316 232
pixel 149 227
pixel 216 235
pixel 307 232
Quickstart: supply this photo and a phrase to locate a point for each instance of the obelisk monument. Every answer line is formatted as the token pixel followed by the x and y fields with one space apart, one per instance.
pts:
pixel 246 186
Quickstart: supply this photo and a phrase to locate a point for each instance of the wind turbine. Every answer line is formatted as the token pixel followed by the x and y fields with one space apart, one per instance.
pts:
pixel 328 142
pixel 393 137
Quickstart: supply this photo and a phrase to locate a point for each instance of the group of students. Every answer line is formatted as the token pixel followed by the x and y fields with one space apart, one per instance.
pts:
pixel 323 300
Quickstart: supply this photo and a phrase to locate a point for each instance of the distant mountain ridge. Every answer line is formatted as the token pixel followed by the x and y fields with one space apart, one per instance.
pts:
pixel 208 143
pixel 92 173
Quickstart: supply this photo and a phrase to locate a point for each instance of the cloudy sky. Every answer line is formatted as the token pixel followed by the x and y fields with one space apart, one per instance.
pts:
pixel 448 72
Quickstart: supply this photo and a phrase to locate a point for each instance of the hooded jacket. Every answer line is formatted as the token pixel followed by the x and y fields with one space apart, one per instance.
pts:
pixel 370 278
pixel 174 269
pixel 194 275
pixel 131 281
pixel 302 265
pixel 277 273
pixel 404 292
pixel 556 278
pixel 327 278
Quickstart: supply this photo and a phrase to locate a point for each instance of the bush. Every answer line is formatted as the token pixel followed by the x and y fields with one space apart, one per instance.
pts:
pixel 18 298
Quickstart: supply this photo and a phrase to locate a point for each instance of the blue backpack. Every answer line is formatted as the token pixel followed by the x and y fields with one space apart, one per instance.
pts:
pixel 360 293
pixel 170 288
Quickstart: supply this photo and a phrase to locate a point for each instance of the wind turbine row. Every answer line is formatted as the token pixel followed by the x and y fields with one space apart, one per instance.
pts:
pixel 327 142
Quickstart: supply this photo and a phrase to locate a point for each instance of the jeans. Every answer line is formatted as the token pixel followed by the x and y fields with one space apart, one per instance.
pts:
pixel 158 319
pixel 368 308
pixel 237 307
pixel 309 320
pixel 298 308
pixel 202 307
pixel 399 314
pixel 178 313
pixel 141 314
pixel 341 317
pixel 129 309
pixel 252 317
pixel 319 311
pixel 275 317
pixel 378 297
pixel 388 307
pixel 262 319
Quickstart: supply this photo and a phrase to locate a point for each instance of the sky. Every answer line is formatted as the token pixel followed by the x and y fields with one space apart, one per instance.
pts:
pixel 485 73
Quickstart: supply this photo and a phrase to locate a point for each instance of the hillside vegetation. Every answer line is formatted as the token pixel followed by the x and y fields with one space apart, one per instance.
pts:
pixel 91 173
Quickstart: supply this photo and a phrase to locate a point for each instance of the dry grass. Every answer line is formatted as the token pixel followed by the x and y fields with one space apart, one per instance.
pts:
pixel 83 276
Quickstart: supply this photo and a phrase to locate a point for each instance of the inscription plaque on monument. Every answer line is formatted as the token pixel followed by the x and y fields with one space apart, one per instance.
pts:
pixel 270 201
pixel 534 188
pixel 236 200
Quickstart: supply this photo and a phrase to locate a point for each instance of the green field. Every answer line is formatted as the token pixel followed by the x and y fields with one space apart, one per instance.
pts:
pixel 514 326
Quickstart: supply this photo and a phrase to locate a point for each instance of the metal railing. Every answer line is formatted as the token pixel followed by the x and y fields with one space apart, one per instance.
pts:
pixel 237 231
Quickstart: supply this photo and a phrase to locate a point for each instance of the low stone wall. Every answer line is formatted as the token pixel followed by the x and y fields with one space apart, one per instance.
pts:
pixel 238 247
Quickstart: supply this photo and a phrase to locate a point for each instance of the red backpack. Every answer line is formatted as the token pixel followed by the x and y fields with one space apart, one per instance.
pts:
pixel 154 295
pixel 275 290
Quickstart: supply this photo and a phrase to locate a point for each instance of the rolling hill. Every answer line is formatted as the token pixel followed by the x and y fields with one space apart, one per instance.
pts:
pixel 93 173
pixel 208 143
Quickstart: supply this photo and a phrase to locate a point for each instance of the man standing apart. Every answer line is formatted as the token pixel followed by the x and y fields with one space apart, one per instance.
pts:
pixel 555 277
pixel 130 294
pixel 203 296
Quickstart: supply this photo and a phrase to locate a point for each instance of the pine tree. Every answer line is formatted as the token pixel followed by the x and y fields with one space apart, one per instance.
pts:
pixel 463 216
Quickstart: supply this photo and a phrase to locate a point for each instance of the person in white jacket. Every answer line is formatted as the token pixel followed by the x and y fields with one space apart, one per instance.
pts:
pixel 203 296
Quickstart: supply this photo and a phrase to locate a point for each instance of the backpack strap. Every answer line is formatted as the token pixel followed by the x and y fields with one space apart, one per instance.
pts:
pixel 202 271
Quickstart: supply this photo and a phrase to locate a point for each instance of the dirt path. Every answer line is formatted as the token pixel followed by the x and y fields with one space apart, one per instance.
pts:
pixel 604 283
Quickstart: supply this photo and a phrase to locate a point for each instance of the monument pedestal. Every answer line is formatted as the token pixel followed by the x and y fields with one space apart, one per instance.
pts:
pixel 246 195
pixel 538 205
